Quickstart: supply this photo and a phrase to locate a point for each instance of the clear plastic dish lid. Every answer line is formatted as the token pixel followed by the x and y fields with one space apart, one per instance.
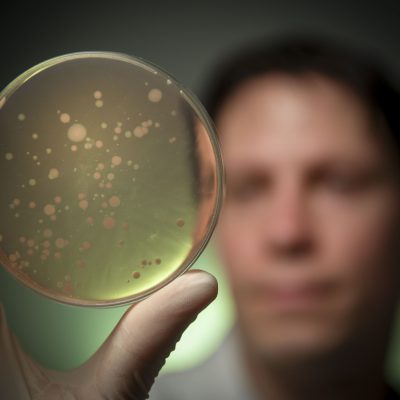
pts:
pixel 111 178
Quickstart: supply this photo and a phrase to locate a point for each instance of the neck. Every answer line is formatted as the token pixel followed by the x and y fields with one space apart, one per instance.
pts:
pixel 356 372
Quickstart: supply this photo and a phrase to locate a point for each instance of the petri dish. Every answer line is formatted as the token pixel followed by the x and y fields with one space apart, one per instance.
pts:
pixel 112 178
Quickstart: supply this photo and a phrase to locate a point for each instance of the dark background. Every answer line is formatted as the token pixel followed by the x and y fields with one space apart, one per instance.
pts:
pixel 186 38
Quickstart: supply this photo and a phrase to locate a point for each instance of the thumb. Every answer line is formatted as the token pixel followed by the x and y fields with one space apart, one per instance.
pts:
pixel 134 353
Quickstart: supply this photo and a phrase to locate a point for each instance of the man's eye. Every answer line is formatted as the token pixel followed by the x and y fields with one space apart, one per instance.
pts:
pixel 343 184
pixel 246 191
pixel 242 193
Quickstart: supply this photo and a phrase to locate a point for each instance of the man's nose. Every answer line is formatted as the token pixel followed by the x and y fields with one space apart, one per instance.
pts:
pixel 287 229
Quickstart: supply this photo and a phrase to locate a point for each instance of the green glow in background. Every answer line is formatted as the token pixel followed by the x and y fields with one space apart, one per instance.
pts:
pixel 62 337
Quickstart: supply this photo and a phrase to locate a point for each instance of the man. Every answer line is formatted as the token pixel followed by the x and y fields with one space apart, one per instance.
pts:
pixel 309 237
pixel 309 234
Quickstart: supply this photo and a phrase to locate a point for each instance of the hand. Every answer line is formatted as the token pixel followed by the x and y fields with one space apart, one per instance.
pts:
pixel 126 365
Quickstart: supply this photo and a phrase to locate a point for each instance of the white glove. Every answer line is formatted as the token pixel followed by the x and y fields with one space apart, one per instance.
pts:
pixel 127 363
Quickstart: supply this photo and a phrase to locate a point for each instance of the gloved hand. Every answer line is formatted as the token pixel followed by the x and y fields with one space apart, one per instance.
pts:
pixel 127 363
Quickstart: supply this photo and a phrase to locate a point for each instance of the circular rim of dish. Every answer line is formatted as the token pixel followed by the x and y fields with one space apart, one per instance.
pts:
pixel 199 110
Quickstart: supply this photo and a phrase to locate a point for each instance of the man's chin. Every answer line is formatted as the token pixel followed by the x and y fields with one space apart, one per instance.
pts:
pixel 295 347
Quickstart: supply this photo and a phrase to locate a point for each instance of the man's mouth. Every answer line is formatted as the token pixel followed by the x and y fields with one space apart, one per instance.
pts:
pixel 295 296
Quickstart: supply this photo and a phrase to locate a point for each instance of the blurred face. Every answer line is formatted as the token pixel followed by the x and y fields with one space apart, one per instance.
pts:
pixel 310 230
